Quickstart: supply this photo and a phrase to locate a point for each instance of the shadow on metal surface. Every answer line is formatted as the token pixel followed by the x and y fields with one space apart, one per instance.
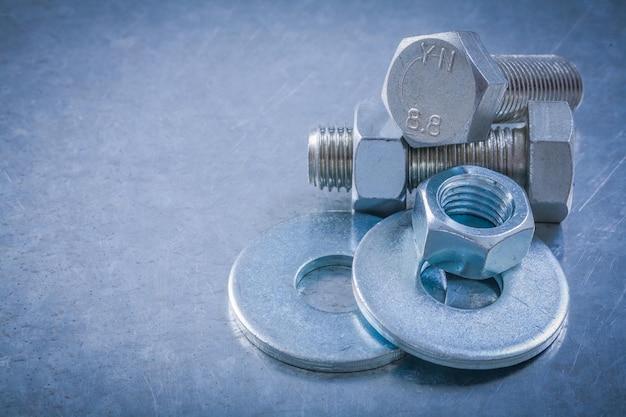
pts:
pixel 552 235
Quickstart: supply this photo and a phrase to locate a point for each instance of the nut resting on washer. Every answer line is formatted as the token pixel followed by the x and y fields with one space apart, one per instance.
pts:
pixel 526 318
pixel 472 222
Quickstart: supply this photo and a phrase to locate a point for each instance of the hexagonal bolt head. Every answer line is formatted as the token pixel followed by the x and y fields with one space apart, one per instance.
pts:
pixel 379 161
pixel 472 222
pixel 443 89
pixel 550 167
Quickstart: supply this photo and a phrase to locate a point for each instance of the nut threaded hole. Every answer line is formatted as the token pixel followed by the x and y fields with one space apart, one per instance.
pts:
pixel 476 201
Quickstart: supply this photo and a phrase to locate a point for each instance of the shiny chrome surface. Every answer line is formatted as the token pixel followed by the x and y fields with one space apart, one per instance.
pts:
pixel 538 156
pixel 266 304
pixel 143 145
pixel 521 323
pixel 445 88
pixel 472 222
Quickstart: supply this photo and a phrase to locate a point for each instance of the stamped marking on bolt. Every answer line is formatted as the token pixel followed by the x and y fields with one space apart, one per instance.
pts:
pixel 433 127
pixel 420 84
pixel 453 82
pixel 426 52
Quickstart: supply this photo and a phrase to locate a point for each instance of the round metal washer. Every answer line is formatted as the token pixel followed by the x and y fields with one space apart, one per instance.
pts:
pixel 521 323
pixel 263 296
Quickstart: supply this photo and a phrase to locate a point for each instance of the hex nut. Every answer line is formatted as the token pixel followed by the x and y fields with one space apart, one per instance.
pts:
pixel 550 159
pixel 379 161
pixel 472 222
pixel 443 89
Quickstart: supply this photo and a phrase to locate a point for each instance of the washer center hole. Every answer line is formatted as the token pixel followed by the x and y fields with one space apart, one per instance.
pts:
pixel 326 284
pixel 458 292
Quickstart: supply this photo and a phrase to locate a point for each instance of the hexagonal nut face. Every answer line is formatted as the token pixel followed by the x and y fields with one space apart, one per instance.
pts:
pixel 550 160
pixel 443 89
pixel 472 222
pixel 379 162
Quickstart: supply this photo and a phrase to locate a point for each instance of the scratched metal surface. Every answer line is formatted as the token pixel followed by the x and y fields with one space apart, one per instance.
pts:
pixel 143 146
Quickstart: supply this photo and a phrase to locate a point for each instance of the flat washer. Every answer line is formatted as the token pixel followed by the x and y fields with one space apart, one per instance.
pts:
pixel 269 311
pixel 520 324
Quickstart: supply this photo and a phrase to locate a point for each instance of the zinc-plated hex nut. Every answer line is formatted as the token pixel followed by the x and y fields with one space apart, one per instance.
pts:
pixel 379 161
pixel 551 159
pixel 443 89
pixel 472 222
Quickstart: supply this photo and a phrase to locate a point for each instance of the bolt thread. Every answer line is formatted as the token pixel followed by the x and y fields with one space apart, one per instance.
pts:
pixel 536 77
pixel 505 151
pixel 330 157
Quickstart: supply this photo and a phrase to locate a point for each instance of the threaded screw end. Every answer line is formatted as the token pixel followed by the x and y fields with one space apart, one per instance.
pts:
pixel 504 152
pixel 536 77
pixel 330 157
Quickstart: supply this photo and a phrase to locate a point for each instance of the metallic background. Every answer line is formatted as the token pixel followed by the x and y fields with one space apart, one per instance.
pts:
pixel 142 146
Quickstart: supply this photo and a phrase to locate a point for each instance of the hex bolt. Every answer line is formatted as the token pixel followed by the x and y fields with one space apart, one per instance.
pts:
pixel 330 157
pixel 445 88
pixel 538 156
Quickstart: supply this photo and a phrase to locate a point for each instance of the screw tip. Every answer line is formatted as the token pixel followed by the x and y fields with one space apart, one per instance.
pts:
pixel 330 157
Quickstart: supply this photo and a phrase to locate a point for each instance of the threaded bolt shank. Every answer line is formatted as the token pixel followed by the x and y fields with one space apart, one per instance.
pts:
pixel 505 151
pixel 330 157
pixel 538 78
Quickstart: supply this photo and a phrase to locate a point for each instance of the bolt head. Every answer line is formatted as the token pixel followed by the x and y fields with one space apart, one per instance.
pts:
pixel 443 89
pixel 550 159
pixel 379 161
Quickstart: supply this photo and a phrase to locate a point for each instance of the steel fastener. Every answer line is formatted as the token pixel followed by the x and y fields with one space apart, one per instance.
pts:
pixel 520 324
pixel 472 222
pixel 369 159
pixel 445 88
pixel 538 156
pixel 269 311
